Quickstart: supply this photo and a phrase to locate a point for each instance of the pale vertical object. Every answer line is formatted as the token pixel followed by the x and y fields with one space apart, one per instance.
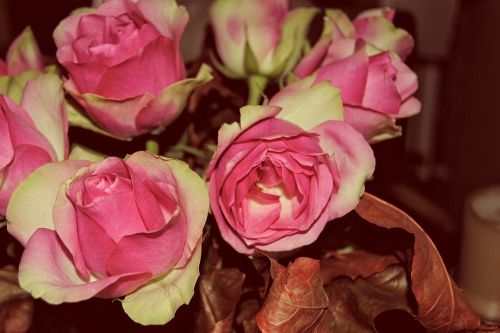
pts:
pixel 480 258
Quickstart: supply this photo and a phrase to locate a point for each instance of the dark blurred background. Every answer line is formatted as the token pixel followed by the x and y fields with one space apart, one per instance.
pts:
pixel 449 150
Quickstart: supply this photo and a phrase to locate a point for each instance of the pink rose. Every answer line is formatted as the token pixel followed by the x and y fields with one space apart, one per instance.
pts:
pixel 287 169
pixel 375 92
pixel 115 228
pixel 124 64
pixel 32 133
pixel 259 37
pixel 23 55
pixel 376 86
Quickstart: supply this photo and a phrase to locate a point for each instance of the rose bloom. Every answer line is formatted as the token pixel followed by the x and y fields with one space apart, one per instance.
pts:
pixel 287 169
pixel 124 64
pixel 114 228
pixel 259 37
pixel 32 133
pixel 361 59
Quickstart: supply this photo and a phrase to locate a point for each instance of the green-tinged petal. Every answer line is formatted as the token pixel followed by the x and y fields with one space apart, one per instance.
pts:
pixel 43 99
pixel 344 26
pixel 13 86
pixel 230 42
pixel 192 194
pixel 193 198
pixel 293 36
pixel 77 119
pixel 166 15
pixel 175 98
pixel 156 302
pixel 307 104
pixel 30 206
pixel 24 54
pixel 82 153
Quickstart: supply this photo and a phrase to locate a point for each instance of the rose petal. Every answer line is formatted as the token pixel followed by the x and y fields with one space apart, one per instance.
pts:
pixel 191 194
pixel 38 192
pixel 25 160
pixel 377 29
pixel 156 302
pixel 47 272
pixel 43 99
pixel 350 75
pixel 158 57
pixel 307 105
pixel 24 54
pixel 354 161
pixel 154 252
pixel 374 126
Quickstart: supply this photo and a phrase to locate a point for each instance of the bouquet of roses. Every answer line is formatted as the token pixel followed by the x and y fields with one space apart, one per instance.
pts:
pixel 291 241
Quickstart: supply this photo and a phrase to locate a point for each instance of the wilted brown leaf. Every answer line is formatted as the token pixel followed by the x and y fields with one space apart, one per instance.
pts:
pixel 296 301
pixel 220 291
pixel 441 305
pixel 16 305
pixel 354 264
pixel 355 304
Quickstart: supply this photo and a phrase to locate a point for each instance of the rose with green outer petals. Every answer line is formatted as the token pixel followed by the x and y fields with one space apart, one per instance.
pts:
pixel 124 64
pixel 110 229
pixel 285 170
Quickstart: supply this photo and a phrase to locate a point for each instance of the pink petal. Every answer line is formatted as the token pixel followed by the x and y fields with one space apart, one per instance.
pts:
pixel 354 161
pixel 409 108
pixel 350 75
pixel 95 244
pixel 84 77
pixel 381 93
pixel 169 18
pixel 154 252
pixel 116 117
pixel 6 149
pixel 25 160
pixel 22 128
pixel 46 271
pixel 373 125
pixel 313 59
pixel 158 57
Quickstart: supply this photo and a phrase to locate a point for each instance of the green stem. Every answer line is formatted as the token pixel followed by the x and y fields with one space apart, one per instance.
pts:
pixel 153 146
pixel 256 86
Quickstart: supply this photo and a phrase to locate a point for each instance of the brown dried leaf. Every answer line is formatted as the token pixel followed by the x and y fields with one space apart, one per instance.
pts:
pixel 441 305
pixel 354 264
pixel 220 291
pixel 355 304
pixel 16 305
pixel 297 301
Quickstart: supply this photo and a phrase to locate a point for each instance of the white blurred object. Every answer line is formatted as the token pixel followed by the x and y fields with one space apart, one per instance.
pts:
pixel 480 259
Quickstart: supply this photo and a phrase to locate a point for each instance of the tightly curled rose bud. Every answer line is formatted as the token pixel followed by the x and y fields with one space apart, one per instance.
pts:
pixel 124 64
pixel 259 37
pixel 287 169
pixel 32 133
pixel 114 228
